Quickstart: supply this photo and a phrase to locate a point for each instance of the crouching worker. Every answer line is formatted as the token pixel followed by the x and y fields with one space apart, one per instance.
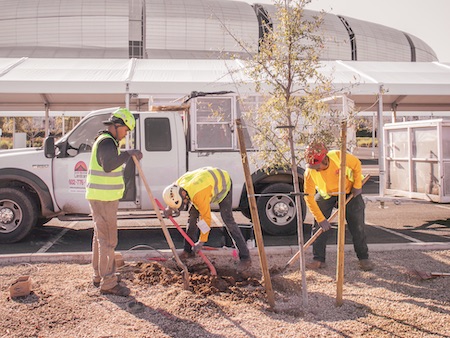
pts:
pixel 322 174
pixel 202 187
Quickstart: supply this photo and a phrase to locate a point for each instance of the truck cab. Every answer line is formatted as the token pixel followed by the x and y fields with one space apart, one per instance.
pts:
pixel 38 184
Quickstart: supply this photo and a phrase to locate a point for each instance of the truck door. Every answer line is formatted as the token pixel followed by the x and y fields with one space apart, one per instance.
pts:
pixel 72 162
pixel 164 149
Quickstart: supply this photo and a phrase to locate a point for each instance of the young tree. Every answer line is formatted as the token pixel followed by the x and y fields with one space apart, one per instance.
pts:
pixel 293 112
pixel 7 125
pixel 286 74
pixel 32 127
pixel 295 88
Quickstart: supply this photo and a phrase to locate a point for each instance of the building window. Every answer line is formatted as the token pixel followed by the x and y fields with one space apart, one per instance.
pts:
pixel 136 49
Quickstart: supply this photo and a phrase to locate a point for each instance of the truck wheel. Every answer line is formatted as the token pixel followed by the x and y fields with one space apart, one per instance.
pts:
pixel 18 214
pixel 278 213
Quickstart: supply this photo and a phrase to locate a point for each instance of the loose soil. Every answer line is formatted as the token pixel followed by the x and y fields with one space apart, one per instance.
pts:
pixel 389 301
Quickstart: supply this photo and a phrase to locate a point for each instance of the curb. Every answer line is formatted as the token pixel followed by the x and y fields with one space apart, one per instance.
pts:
pixel 140 255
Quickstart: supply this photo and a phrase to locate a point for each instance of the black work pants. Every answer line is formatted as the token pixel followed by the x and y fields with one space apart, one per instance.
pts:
pixel 355 216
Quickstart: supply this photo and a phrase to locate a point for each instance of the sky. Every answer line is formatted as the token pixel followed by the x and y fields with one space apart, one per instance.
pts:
pixel 427 20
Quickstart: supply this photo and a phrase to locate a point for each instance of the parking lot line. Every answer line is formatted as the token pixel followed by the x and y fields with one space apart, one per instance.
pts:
pixel 409 238
pixel 442 206
pixel 50 243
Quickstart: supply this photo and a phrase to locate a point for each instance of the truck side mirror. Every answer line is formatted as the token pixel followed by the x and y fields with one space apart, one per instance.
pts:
pixel 49 147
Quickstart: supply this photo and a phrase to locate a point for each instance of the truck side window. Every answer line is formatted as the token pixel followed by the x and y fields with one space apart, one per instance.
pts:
pixel 157 134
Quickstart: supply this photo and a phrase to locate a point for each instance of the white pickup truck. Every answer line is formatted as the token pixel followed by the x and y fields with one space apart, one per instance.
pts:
pixel 37 184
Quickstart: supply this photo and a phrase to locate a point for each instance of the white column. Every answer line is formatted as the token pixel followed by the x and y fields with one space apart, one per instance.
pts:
pixel 381 143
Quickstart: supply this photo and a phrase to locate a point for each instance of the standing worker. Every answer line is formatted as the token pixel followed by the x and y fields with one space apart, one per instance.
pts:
pixel 202 187
pixel 322 174
pixel 105 187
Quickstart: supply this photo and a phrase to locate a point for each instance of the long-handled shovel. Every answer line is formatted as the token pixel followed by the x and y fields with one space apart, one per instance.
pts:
pixel 424 275
pixel 163 226
pixel 320 231
pixel 190 241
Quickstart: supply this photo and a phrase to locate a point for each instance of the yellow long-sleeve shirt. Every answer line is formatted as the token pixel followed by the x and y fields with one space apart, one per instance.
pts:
pixel 202 201
pixel 331 178
pixel 205 186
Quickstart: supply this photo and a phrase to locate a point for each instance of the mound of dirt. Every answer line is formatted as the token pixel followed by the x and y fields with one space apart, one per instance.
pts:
pixel 201 281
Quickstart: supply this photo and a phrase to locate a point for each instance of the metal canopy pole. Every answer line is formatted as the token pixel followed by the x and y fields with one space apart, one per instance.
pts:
pixel 47 117
pixel 374 123
pixel 381 143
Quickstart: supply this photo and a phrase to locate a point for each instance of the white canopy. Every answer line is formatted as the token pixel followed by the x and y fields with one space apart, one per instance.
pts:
pixel 84 84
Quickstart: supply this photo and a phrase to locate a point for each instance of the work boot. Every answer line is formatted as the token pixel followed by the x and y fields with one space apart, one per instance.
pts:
pixel 365 265
pixel 314 265
pixel 96 281
pixel 244 265
pixel 185 255
pixel 117 290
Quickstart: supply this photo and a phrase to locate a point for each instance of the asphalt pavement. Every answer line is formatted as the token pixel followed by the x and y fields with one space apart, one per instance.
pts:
pixel 396 223
pixel 391 224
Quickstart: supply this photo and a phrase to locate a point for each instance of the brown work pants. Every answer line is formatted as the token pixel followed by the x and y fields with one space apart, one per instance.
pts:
pixel 104 242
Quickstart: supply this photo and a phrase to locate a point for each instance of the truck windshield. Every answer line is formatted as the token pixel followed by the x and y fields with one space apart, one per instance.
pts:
pixel 82 137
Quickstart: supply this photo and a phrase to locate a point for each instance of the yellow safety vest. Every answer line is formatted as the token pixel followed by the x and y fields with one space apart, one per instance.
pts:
pixel 199 179
pixel 103 186
pixel 321 186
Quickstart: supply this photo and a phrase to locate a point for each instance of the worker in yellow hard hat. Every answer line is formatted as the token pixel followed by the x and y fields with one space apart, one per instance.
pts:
pixel 105 187
pixel 202 187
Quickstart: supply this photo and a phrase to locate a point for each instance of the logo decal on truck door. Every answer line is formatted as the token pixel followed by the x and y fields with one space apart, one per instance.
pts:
pixel 78 182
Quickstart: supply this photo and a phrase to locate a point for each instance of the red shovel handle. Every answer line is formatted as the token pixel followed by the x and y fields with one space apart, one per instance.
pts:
pixel 183 233
pixel 189 240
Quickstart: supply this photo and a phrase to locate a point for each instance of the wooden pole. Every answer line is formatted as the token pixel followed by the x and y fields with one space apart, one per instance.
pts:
pixel 341 217
pixel 255 216
pixel 163 225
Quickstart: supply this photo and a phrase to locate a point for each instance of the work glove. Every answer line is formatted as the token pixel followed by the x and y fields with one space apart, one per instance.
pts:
pixel 198 246
pixel 135 152
pixel 325 225
pixel 356 192
pixel 168 212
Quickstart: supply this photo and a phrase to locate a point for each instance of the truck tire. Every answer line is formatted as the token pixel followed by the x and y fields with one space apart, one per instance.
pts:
pixel 18 214
pixel 278 213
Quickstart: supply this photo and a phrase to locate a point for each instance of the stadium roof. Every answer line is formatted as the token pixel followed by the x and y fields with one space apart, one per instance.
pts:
pixel 28 84
pixel 184 29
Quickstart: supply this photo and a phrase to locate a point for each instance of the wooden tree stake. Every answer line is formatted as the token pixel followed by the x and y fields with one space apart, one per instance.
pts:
pixel 163 225
pixel 255 216
pixel 341 217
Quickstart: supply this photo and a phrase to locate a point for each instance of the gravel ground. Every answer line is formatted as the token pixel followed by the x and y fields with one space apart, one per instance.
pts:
pixel 386 302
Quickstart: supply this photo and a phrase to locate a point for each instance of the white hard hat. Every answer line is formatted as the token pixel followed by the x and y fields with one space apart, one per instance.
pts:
pixel 172 196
